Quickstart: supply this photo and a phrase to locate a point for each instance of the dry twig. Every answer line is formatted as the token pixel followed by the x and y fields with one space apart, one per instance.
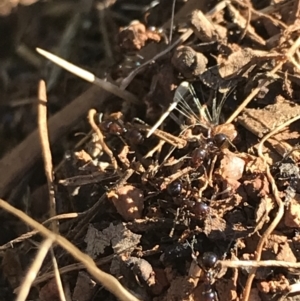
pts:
pixel 16 164
pixel 23 290
pixel 46 152
pixel 27 235
pixel 280 205
pixel 107 280
pixel 97 130
pixel 90 77
pixel 47 157
pixel 258 264
pixel 255 91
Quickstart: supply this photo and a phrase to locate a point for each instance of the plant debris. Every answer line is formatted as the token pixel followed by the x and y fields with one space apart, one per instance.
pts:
pixel 178 175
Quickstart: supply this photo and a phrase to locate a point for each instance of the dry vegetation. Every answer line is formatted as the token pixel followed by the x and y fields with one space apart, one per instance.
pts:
pixel 171 172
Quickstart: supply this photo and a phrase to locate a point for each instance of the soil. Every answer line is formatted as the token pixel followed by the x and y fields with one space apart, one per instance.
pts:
pixel 203 205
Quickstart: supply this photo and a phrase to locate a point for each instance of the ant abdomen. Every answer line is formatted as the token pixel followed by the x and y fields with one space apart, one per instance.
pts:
pixel 174 189
pixel 200 209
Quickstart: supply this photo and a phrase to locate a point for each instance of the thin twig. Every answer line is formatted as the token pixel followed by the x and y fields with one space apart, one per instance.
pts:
pixel 88 76
pixel 69 268
pixel 58 281
pixel 172 20
pixel 47 157
pixel 24 289
pixel 249 14
pixel 104 146
pixel 168 180
pixel 255 91
pixel 258 264
pixel 126 81
pixel 46 152
pixel 19 161
pixel 27 235
pixel 107 280
pixel 167 137
pixel 279 202
pixel 261 14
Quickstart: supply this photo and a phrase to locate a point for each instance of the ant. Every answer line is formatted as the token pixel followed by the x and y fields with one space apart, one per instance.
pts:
pixel 114 125
pixel 199 206
pixel 217 135
pixel 208 263
pixel 211 146
pixel 189 207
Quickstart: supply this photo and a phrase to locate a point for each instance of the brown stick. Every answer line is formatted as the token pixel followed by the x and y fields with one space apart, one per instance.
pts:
pixel 107 280
pixel 15 165
pixel 279 213
pixel 20 160
pixel 46 151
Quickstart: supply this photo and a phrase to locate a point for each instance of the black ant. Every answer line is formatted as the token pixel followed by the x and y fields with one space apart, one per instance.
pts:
pixel 189 208
pixel 211 146
pixel 114 125
pixel 208 263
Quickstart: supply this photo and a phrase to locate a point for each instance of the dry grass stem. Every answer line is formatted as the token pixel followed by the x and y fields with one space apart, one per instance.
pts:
pixel 34 232
pixel 33 270
pixel 88 76
pixel 257 264
pixel 108 281
pixel 255 91
pixel 47 158
pixel 46 152
pixel 280 210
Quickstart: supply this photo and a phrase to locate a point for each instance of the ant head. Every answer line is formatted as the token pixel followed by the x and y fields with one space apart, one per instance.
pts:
pixel 209 296
pixel 221 140
pixel 200 209
pixel 207 261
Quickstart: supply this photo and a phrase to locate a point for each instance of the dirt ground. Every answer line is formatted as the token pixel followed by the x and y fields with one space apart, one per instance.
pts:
pixel 165 167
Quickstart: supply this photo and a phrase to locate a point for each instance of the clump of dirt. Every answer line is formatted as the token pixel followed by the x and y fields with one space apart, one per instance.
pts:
pixel 181 163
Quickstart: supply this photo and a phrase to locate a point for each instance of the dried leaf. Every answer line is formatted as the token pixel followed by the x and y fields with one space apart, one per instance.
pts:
pixel 261 121
pixel 117 236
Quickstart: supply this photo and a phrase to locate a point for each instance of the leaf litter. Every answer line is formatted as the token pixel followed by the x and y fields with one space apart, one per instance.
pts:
pixel 162 202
